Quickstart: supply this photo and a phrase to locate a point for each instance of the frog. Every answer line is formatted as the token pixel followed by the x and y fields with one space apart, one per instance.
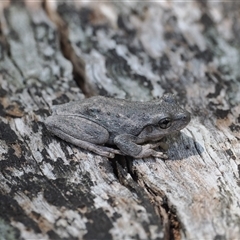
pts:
pixel 108 126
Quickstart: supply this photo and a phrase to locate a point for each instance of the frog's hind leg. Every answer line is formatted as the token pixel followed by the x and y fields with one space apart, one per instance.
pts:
pixel 100 150
pixel 82 133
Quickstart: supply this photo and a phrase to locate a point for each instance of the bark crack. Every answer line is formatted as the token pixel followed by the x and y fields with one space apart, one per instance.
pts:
pixel 171 223
pixel 165 213
pixel 78 64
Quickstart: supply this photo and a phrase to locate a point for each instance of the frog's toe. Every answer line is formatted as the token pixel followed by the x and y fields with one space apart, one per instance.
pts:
pixel 106 154
pixel 160 155
pixel 111 155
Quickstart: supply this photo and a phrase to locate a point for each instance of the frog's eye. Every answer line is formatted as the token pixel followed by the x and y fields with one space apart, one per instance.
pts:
pixel 165 123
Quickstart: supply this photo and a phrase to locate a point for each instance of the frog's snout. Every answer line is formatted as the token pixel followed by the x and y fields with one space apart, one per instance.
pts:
pixel 49 122
pixel 186 117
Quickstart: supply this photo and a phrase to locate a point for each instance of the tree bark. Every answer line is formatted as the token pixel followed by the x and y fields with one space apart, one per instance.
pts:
pixel 56 52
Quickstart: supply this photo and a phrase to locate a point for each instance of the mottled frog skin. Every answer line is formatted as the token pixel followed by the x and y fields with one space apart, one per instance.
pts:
pixel 91 123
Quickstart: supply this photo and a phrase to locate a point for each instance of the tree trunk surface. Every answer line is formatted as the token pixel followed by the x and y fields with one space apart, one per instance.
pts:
pixel 53 52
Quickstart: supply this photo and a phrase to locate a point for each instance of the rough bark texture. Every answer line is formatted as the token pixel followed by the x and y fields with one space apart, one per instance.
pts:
pixel 55 52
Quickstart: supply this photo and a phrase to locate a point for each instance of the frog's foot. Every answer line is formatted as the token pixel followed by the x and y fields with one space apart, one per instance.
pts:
pixel 104 151
pixel 147 151
pixel 100 150
pixel 162 145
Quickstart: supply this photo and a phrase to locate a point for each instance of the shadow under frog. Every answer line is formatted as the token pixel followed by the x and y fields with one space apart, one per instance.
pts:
pixel 135 128
pixel 185 148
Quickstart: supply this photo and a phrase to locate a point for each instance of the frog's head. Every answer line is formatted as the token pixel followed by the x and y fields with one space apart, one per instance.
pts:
pixel 169 118
pixel 174 117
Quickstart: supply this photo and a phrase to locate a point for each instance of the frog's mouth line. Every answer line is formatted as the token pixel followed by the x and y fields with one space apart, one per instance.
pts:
pixel 157 137
pixel 151 138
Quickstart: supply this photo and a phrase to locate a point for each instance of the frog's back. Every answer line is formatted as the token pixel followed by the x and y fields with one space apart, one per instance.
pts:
pixel 101 105
pixel 116 115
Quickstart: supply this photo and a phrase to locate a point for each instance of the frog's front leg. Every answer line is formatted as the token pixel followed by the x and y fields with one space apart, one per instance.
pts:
pixel 82 133
pixel 128 145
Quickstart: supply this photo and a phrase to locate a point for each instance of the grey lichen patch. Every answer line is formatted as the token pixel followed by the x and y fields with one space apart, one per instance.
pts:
pixel 37 36
pixel 12 211
pixel 8 232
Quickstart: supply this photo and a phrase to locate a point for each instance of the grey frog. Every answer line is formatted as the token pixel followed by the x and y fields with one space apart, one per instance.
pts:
pixel 93 122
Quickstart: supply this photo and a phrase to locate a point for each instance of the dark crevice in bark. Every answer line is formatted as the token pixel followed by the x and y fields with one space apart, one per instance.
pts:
pixel 172 224
pixel 78 64
pixel 121 167
pixel 165 213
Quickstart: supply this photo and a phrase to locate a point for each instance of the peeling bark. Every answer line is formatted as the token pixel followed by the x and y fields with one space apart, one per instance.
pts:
pixel 56 52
